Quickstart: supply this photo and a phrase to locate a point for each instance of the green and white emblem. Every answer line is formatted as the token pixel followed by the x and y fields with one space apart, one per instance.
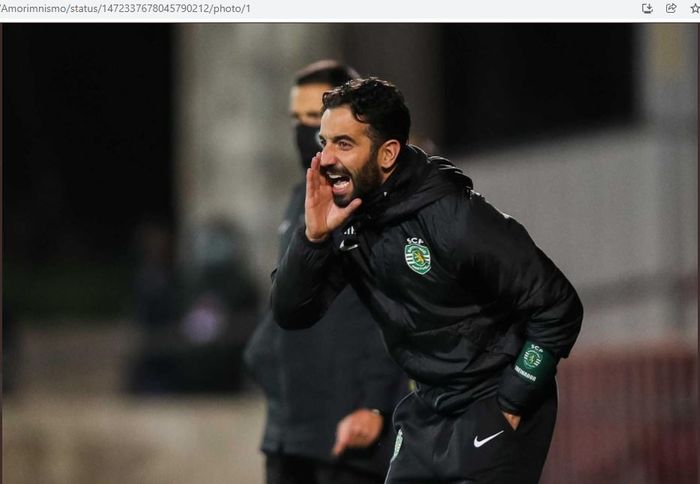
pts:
pixel 417 255
pixel 532 359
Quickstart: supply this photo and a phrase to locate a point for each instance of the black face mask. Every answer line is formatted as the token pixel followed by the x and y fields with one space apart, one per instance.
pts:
pixel 307 143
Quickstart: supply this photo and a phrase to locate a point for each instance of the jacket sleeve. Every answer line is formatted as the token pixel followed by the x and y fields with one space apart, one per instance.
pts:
pixel 306 281
pixel 515 273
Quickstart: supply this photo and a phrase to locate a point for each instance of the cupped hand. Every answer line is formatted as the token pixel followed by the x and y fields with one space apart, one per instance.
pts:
pixel 321 214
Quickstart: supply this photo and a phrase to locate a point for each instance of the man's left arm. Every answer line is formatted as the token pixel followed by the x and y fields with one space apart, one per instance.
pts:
pixel 521 276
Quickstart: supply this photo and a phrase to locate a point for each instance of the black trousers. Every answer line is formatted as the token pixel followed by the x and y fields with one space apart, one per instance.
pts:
pixel 285 469
pixel 475 447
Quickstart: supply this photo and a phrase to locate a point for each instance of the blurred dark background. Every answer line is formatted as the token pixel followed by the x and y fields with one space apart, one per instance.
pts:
pixel 557 80
pixel 88 129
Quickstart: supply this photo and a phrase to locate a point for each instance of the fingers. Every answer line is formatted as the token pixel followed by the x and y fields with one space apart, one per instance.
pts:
pixel 353 431
pixel 316 161
pixel 312 177
pixel 513 420
pixel 311 187
pixel 340 215
pixel 343 437
pixel 340 446
pixel 352 206
pixel 312 172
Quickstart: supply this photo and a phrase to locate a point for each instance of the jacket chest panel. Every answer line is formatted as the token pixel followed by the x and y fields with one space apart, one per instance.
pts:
pixel 413 270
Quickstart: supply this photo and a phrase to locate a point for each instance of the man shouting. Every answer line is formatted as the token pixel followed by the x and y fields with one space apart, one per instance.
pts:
pixel 468 305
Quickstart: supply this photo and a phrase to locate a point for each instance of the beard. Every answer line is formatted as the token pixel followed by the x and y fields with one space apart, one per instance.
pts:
pixel 364 182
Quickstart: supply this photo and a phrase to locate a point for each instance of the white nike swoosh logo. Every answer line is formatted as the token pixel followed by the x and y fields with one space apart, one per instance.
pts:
pixel 478 443
pixel 346 248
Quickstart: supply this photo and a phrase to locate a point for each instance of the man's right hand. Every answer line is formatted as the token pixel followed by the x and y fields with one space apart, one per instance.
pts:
pixel 321 214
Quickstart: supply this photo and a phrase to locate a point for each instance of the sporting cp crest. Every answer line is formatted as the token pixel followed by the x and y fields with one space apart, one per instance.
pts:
pixel 417 255
pixel 532 359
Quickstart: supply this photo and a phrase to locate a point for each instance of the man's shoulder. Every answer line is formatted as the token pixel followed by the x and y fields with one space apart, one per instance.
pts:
pixel 451 205
pixel 458 217
pixel 466 203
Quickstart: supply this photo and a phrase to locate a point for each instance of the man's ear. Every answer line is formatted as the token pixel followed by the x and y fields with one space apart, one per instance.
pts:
pixel 387 155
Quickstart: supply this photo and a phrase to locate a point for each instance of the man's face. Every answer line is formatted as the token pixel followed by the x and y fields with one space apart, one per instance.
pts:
pixel 305 103
pixel 348 160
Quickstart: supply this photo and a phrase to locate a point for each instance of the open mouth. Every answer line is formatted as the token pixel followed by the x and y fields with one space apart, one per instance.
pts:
pixel 339 182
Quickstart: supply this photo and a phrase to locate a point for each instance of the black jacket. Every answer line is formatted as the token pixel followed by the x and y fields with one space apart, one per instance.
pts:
pixel 314 378
pixel 457 327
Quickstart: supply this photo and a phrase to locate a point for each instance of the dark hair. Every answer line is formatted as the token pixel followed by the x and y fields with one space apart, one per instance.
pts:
pixel 377 103
pixel 325 72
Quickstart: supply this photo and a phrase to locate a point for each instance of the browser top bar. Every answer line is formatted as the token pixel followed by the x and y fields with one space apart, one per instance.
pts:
pixel 359 11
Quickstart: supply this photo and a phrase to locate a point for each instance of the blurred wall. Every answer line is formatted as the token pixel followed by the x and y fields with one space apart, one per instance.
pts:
pixel 406 55
pixel 617 209
pixel 233 135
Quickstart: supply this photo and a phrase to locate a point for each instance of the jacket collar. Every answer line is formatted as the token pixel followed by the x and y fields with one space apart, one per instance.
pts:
pixel 417 181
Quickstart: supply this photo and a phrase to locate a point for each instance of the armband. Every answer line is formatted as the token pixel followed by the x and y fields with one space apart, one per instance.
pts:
pixel 534 363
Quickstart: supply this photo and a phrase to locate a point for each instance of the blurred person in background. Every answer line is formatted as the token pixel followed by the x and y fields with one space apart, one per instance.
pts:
pixel 469 306
pixel 330 389
pixel 156 298
pixel 193 332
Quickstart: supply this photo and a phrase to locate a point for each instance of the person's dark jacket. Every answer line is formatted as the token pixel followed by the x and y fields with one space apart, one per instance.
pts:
pixel 315 377
pixel 457 328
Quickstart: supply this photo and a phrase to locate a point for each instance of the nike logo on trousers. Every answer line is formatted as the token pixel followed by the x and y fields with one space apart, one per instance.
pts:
pixel 478 443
